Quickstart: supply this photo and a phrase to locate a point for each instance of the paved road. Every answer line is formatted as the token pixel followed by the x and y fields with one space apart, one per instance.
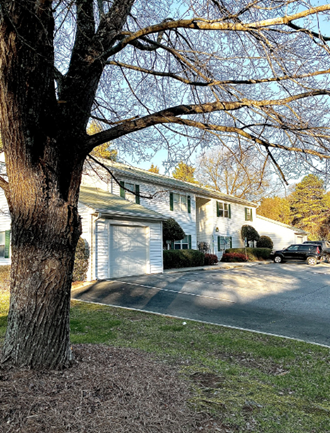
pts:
pixel 287 299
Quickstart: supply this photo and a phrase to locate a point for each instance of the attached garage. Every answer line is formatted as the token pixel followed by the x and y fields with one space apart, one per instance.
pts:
pixel 128 250
pixel 125 238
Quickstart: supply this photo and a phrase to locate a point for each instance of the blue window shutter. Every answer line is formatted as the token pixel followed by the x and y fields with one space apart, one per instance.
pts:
pixel 137 192
pixel 7 243
pixel 189 242
pixel 171 200
pixel 189 204
pixel 172 245
pixel 122 191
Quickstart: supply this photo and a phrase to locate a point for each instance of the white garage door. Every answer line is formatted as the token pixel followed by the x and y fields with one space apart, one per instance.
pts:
pixel 128 251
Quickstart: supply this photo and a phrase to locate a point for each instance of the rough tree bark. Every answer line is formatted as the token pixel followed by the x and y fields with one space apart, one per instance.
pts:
pixel 42 192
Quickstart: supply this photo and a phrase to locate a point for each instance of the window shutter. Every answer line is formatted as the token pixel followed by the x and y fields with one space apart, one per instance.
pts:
pixel 137 192
pixel 218 211
pixel 122 191
pixel 7 243
pixel 230 242
pixel 229 210
pixel 189 242
pixel 189 204
pixel 172 245
pixel 219 243
pixel 246 216
pixel 251 218
pixel 171 200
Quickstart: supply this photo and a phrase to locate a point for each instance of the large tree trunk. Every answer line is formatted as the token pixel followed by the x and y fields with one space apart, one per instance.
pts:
pixel 43 249
pixel 44 159
pixel 45 231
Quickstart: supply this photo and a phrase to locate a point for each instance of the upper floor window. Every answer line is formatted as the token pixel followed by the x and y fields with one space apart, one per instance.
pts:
pixel 223 210
pixel 130 191
pixel 180 203
pixel 248 214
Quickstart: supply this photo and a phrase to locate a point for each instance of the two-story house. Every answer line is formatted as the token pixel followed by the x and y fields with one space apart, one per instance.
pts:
pixel 122 215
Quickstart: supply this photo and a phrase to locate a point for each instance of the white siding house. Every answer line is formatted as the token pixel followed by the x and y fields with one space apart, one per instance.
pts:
pixel 124 238
pixel 281 234
pixel 122 210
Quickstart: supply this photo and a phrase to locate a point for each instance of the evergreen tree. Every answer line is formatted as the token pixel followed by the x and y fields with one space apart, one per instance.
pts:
pixel 102 151
pixel 184 172
pixel 308 206
pixel 276 208
pixel 154 169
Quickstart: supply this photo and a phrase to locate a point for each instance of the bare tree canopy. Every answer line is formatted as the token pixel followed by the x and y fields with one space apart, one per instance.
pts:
pixel 210 70
pixel 237 171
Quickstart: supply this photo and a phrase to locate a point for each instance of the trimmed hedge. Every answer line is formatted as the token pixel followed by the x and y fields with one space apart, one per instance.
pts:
pixel 182 258
pixel 234 257
pixel 252 253
pixel 210 259
pixel 81 261
pixel 265 242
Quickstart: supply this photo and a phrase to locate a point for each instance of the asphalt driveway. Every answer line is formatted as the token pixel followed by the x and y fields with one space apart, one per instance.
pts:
pixel 284 299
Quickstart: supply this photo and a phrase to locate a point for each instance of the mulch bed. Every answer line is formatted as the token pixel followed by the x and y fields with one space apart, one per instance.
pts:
pixel 107 390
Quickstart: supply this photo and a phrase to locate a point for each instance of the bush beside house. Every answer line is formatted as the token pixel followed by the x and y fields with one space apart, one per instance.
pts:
pixel 234 257
pixel 265 242
pixel 253 254
pixel 210 259
pixel 81 261
pixel 182 258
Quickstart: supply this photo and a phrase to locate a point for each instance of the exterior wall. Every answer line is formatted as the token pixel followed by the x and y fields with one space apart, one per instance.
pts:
pixel 102 246
pixel 5 223
pixel 280 235
pixel 87 222
pixel 204 220
pixel 161 204
pixel 223 226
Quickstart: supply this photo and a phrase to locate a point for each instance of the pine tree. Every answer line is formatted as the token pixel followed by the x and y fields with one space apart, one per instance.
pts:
pixel 154 169
pixel 308 205
pixel 102 151
pixel 184 172
pixel 276 208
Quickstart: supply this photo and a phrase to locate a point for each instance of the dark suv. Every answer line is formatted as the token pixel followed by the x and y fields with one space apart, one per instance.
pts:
pixel 311 253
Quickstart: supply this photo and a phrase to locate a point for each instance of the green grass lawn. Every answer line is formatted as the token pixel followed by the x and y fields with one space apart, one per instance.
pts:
pixel 252 382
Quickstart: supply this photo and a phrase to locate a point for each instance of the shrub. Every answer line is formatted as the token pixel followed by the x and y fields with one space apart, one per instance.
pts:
pixel 210 259
pixel 81 261
pixel 234 257
pixel 182 258
pixel 250 233
pixel 265 242
pixel 172 231
pixel 252 253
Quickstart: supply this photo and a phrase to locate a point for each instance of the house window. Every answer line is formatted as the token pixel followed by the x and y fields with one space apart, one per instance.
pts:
pixel 184 244
pixel 180 203
pixel 4 244
pixel 130 191
pixel 224 242
pixel 223 210
pixel 248 214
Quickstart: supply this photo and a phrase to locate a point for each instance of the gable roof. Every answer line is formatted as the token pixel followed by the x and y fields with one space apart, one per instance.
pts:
pixel 110 205
pixel 295 229
pixel 159 179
